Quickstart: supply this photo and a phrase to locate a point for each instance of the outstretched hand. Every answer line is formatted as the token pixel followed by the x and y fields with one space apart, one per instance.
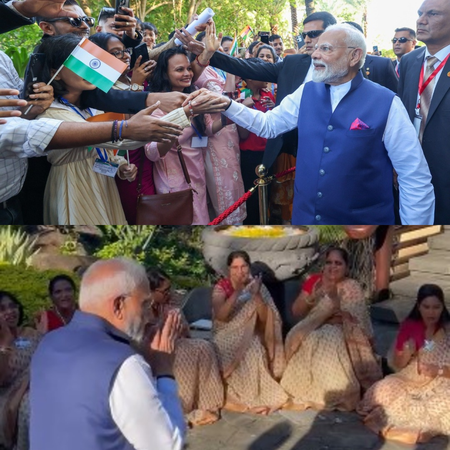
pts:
pixel 189 42
pixel 10 102
pixel 204 101
pixel 45 8
pixel 143 127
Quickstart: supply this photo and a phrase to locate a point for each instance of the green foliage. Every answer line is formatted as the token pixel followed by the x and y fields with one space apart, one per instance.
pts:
pixel 177 250
pixel 331 233
pixel 29 286
pixel 19 44
pixel 16 247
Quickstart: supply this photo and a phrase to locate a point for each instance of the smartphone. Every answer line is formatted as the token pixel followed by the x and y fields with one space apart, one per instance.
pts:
pixel 122 4
pixel 264 36
pixel 33 73
pixel 375 49
pixel 300 41
pixel 139 50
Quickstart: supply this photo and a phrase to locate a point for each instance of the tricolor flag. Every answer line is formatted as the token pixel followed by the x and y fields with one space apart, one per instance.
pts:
pixel 95 65
pixel 234 47
pixel 245 31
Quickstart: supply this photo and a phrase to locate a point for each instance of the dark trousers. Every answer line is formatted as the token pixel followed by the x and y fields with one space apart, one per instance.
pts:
pixel 249 161
pixel 11 212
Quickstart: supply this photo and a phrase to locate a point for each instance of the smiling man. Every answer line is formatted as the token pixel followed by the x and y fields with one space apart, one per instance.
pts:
pixel 433 97
pixel 352 133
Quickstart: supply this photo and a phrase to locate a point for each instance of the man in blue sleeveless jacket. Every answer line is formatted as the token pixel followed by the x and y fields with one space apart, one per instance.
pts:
pixel 352 134
pixel 89 387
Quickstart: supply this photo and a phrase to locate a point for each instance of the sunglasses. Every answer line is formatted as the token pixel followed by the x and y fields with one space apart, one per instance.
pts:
pixel 76 21
pixel 312 34
pixel 402 40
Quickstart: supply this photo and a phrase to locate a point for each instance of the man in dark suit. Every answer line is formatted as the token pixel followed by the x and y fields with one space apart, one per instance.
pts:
pixel 378 69
pixel 404 42
pixel 433 117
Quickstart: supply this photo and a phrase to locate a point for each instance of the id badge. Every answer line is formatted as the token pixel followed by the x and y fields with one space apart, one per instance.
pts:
pixel 417 122
pixel 197 142
pixel 105 168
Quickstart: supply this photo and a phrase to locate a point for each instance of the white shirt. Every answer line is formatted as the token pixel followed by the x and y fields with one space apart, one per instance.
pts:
pixel 309 74
pixel 19 138
pixel 147 412
pixel 400 140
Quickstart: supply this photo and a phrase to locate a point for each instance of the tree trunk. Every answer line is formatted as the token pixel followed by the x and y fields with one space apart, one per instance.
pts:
pixel 294 18
pixel 310 7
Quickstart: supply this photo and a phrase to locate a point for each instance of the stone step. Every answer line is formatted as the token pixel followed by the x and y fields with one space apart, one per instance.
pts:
pixel 435 262
pixel 407 287
pixel 439 242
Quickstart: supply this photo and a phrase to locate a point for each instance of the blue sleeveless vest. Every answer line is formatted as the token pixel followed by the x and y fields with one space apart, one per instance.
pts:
pixel 343 176
pixel 72 373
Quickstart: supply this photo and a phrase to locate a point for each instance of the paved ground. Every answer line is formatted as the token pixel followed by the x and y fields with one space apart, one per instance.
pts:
pixel 309 430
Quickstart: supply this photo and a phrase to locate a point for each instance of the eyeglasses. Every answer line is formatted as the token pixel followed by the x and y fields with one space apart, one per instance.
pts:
pixel 312 34
pixel 327 49
pixel 75 21
pixel 402 40
pixel 121 53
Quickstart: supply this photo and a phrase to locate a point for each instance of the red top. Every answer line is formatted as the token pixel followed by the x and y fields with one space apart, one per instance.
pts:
pixel 227 287
pixel 53 320
pixel 310 282
pixel 411 329
pixel 253 142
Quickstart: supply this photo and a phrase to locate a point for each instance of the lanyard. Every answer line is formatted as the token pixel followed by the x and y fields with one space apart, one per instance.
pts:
pixel 103 157
pixel 422 85
pixel 196 131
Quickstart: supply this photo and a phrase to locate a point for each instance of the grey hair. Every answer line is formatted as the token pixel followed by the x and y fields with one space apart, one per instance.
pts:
pixel 354 38
pixel 111 278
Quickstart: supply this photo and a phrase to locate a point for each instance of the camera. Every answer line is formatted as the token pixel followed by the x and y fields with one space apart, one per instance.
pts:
pixel 264 36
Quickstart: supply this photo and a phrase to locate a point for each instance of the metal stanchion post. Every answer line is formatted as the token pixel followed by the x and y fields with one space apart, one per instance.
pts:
pixel 263 194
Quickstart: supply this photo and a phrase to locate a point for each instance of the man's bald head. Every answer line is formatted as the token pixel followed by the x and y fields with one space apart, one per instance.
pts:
pixel 118 291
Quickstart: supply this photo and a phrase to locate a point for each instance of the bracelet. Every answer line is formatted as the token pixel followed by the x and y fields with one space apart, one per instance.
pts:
pixel 120 130
pixel 165 376
pixel 199 63
pixel 229 104
pixel 191 110
pixel 112 131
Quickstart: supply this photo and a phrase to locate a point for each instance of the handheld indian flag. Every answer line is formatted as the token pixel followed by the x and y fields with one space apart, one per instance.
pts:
pixel 94 64
pixel 245 31
pixel 234 46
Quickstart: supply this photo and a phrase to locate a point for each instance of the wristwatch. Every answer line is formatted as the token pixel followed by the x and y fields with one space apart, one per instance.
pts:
pixel 136 87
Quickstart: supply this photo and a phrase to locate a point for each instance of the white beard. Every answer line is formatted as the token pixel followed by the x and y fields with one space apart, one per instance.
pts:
pixel 329 74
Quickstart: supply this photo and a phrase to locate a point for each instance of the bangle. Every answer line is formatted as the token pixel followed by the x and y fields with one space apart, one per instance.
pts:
pixel 166 376
pixel 200 64
pixel 120 130
pixel 112 130
pixel 229 104
pixel 191 110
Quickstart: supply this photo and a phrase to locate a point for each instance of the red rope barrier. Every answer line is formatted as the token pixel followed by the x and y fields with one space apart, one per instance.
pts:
pixel 244 198
pixel 232 208
pixel 285 172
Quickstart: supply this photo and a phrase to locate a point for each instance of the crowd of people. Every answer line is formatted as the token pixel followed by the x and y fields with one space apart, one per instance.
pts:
pixel 115 365
pixel 329 108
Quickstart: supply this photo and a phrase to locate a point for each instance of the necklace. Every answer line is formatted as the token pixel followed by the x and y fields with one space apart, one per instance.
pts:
pixel 64 321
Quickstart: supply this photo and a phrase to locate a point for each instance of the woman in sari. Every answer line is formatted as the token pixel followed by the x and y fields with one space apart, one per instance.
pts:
pixel 413 405
pixel 195 367
pixel 247 335
pixel 17 345
pixel 62 291
pixel 329 352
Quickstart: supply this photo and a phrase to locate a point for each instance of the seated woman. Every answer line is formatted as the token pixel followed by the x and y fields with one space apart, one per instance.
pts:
pixel 196 367
pixel 247 335
pixel 17 345
pixel 77 192
pixel 412 405
pixel 62 294
pixel 329 352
